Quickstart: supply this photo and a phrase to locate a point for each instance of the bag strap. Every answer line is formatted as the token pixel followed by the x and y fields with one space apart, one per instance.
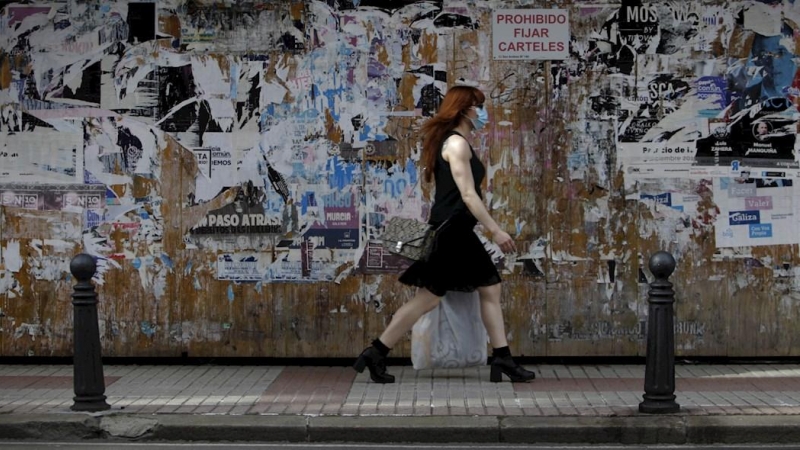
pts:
pixel 415 240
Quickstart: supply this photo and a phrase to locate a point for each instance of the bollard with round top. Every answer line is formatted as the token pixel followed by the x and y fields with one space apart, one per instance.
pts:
pixel 659 378
pixel 87 364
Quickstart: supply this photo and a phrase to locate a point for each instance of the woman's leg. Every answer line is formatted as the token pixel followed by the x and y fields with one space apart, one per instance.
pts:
pixel 492 315
pixel 374 356
pixel 502 362
pixel 407 315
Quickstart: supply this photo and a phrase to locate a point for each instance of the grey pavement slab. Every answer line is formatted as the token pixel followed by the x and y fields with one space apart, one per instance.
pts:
pixel 598 390
pixel 565 404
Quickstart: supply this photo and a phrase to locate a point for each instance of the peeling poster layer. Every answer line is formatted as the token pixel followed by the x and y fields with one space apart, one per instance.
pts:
pixel 231 167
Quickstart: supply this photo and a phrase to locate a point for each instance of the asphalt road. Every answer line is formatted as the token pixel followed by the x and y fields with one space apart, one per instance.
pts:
pixel 7 445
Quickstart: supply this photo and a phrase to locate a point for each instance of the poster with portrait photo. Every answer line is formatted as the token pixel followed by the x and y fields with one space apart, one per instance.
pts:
pixel 761 137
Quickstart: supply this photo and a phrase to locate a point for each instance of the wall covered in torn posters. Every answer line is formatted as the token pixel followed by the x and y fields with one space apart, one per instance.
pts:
pixel 230 164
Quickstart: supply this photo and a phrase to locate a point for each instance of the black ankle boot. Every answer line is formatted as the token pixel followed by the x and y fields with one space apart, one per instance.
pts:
pixel 507 365
pixel 376 363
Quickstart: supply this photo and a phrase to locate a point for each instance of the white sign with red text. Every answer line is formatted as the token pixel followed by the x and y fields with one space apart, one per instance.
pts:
pixel 530 34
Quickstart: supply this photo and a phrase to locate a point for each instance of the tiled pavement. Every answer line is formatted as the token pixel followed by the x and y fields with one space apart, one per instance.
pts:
pixel 577 390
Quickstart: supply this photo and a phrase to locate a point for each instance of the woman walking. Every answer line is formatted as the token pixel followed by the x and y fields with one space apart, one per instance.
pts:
pixel 459 262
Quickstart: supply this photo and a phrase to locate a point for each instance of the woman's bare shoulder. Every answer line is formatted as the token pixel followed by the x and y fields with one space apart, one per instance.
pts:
pixel 456 146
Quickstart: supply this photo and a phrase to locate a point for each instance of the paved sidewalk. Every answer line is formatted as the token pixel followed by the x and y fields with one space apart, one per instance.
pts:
pixel 608 394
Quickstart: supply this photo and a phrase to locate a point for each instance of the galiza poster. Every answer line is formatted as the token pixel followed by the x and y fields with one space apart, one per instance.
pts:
pixel 756 211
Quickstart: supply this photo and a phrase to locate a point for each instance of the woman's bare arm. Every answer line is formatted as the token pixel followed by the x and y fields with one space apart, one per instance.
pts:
pixel 456 151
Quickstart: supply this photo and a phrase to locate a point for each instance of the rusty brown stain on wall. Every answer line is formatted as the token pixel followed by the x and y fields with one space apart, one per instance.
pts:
pixel 143 187
pixel 298 11
pixel 170 25
pixel 5 71
pixel 428 47
pixel 741 43
pixel 22 223
pixel 178 172
pixel 333 131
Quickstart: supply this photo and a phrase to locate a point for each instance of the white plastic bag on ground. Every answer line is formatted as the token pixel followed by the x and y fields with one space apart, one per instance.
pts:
pixel 451 335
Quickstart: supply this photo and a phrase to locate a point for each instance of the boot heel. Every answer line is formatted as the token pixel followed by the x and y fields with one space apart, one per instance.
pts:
pixel 496 375
pixel 360 364
pixel 514 372
pixel 371 359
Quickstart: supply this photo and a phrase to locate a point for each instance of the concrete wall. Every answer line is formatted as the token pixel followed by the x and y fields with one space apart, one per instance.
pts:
pixel 231 164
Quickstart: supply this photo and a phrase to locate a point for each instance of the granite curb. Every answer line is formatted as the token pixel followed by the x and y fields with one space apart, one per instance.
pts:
pixel 630 430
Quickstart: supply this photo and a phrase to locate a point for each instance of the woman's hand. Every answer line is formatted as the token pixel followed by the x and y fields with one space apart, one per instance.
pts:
pixel 505 242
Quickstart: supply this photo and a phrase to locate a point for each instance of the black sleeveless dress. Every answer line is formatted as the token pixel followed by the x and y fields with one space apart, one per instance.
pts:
pixel 459 262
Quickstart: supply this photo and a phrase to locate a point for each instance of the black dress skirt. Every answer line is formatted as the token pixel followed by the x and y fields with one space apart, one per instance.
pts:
pixel 458 262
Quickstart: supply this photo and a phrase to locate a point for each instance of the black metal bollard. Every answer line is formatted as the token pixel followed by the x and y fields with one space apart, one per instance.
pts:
pixel 659 378
pixel 87 366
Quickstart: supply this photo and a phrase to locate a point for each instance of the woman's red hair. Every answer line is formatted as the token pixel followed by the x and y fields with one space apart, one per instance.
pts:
pixel 454 106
